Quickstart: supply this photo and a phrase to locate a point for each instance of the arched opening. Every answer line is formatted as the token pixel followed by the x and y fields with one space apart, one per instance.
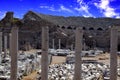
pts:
pixel 91 28
pixel 58 26
pixel 84 28
pixel 118 47
pixel 63 27
pixel 100 29
pixel 74 28
pixel 69 27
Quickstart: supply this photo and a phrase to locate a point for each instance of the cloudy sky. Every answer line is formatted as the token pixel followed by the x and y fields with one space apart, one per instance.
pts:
pixel 86 8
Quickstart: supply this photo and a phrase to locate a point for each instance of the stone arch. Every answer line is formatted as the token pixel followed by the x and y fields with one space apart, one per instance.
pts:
pixel 99 29
pixel 58 26
pixel 74 28
pixel 84 28
pixel 63 27
pixel 69 27
pixel 91 28
pixel 118 47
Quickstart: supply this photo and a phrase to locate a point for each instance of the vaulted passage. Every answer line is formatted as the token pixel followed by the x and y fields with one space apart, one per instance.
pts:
pixel 69 27
pixel 63 27
pixel 100 29
pixel 91 28
pixel 118 47
pixel 84 28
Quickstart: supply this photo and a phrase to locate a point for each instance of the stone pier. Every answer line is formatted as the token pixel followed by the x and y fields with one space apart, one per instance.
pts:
pixel 0 46
pixel 84 45
pixel 53 43
pixel 78 57
pixel 72 47
pixel 113 53
pixel 10 43
pixel 14 52
pixel 44 59
pixel 59 44
pixel 5 45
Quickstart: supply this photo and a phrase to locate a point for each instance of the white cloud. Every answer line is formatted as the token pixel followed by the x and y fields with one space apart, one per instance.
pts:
pixel 51 8
pixel 83 8
pixel 85 15
pixel 44 6
pixel 63 8
pixel 106 9
pixel 60 9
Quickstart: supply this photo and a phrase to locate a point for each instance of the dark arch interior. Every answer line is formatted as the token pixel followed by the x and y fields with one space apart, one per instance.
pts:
pixel 84 28
pixel 91 28
pixel 63 27
pixel 74 28
pixel 58 26
pixel 100 29
pixel 118 47
pixel 69 27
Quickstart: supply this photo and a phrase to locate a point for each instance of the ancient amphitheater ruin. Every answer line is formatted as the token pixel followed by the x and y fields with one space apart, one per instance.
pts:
pixel 96 30
pixel 38 30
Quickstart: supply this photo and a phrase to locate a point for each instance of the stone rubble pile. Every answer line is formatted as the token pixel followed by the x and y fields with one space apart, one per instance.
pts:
pixel 91 71
pixel 27 63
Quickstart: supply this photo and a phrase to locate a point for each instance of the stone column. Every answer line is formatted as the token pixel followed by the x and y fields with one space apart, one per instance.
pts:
pixel 44 59
pixel 84 46
pixel 72 47
pixel 113 53
pixel 59 43
pixel 10 43
pixel 0 46
pixel 14 52
pixel 78 57
pixel 53 43
pixel 5 45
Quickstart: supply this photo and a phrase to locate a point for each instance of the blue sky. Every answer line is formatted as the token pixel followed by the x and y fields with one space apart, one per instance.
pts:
pixel 86 8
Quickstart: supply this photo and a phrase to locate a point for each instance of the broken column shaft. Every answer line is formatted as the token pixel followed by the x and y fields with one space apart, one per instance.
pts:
pixel 5 45
pixel 113 53
pixel 14 52
pixel 78 57
pixel 59 44
pixel 0 46
pixel 44 60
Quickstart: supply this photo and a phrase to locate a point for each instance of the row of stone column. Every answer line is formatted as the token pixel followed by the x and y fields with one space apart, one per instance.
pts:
pixel 78 49
pixel 1 45
pixel 78 57
pixel 14 52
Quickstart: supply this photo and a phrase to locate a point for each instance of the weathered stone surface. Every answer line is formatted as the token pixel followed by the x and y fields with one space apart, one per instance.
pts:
pixel 78 56
pixel 44 59
pixel 14 53
pixel 61 28
pixel 113 53
pixel 0 46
